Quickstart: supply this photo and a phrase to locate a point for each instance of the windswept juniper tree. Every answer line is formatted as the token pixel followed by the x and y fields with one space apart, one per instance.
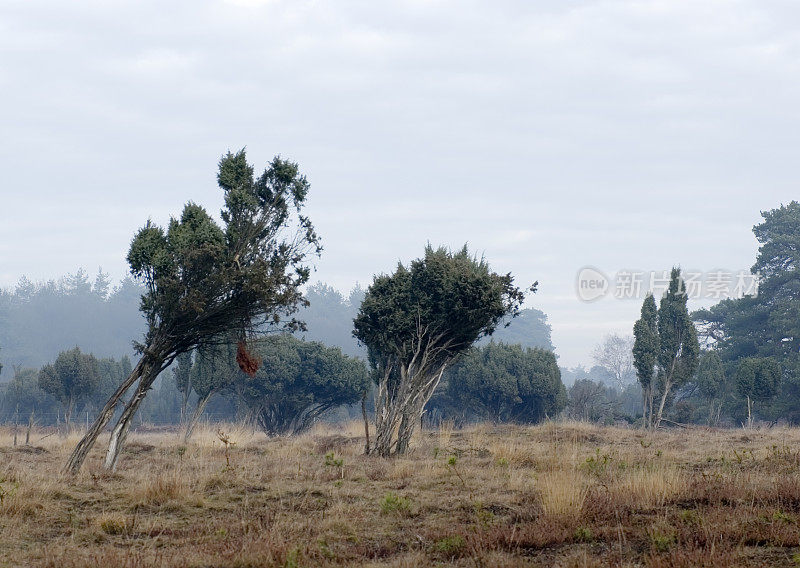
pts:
pixel 416 321
pixel 203 280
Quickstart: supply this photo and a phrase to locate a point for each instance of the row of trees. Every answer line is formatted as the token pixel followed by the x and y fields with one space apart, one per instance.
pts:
pixel 752 344
pixel 210 290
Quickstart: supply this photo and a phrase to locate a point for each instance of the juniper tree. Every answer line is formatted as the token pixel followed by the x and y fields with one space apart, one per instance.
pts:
pixel 710 381
pixel 415 321
pixel 298 382
pixel 203 279
pixel 73 376
pixel 214 369
pixel 678 348
pixel 757 379
pixel 506 383
pixel 645 354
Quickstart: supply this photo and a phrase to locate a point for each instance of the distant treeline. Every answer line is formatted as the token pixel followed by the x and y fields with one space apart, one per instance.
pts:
pixel 39 321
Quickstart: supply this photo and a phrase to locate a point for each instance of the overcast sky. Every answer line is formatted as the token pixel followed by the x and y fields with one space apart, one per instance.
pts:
pixel 548 135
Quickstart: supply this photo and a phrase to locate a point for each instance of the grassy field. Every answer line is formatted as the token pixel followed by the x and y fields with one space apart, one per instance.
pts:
pixel 562 494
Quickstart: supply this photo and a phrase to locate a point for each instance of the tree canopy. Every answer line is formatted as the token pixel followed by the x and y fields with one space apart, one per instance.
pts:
pixel 298 382
pixel 416 320
pixel 73 376
pixel 765 323
pixel 203 280
pixel 506 383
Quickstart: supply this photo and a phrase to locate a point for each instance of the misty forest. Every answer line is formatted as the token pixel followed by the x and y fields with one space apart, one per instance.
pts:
pixel 68 344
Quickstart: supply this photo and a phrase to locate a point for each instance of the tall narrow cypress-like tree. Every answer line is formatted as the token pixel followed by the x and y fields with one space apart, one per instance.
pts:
pixel 678 348
pixel 645 354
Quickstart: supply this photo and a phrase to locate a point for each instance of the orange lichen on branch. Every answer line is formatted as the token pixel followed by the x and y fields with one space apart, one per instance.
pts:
pixel 248 362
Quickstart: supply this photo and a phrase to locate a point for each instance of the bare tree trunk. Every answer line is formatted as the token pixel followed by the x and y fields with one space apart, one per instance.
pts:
pixel 749 414
pixel 31 422
pixel 366 422
pixel 82 449
pixel 68 414
pixel 120 431
pixel 667 386
pixel 195 417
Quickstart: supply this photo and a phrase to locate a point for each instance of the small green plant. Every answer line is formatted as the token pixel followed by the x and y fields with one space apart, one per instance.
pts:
pixel 292 559
pixel 484 516
pixel 325 549
pixel 502 462
pixel 451 546
pixel 393 503
pixel 331 461
pixel 597 464
pixel 662 542
pixel 584 534
pixel 780 516
pixel 452 463
pixel 690 517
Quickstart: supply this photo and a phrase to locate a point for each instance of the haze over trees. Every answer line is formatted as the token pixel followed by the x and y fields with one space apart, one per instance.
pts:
pixel 39 320
pixel 499 382
pixel 73 375
pixel 298 382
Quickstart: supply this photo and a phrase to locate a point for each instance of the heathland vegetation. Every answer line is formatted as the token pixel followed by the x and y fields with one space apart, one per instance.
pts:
pixel 398 423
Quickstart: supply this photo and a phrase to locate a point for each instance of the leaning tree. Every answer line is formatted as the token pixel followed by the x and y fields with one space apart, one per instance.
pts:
pixel 416 321
pixel 203 279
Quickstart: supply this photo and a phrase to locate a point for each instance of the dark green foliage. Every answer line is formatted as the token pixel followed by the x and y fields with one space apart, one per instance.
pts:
pixel 710 376
pixel 758 378
pixel 298 381
pixel 415 321
pixel 446 300
pixel 766 325
pixel 73 377
pixel 22 396
pixel 506 383
pixel 203 279
pixel 646 345
pixel 665 349
pixel 678 348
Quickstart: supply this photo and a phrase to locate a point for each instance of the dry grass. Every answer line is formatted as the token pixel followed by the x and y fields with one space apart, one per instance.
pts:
pixel 561 494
